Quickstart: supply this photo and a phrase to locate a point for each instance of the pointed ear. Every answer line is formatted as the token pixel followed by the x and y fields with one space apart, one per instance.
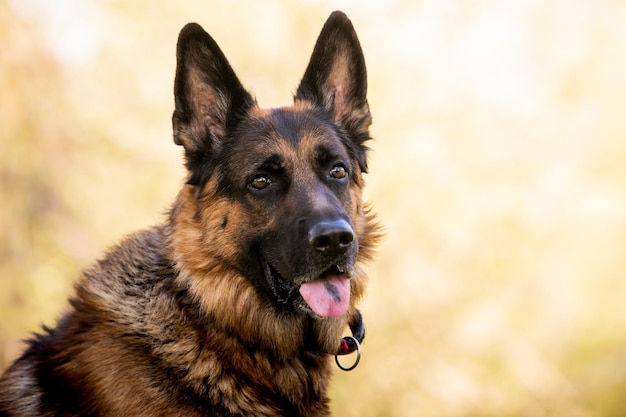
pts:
pixel 208 96
pixel 336 78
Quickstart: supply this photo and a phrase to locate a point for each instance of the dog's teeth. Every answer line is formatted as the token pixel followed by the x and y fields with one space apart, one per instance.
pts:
pixel 340 269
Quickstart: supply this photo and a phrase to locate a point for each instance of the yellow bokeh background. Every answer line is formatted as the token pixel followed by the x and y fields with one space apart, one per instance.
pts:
pixel 498 169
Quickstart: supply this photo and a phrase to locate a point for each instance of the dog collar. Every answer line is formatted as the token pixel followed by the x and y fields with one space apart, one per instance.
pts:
pixel 352 343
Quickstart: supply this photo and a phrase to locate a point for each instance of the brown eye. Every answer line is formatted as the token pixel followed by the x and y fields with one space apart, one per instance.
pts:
pixel 260 182
pixel 338 172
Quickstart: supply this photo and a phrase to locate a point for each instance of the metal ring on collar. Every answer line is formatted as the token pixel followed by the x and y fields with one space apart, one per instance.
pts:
pixel 358 356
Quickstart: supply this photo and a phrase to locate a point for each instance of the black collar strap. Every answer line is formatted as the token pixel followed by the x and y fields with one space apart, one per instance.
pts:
pixel 352 343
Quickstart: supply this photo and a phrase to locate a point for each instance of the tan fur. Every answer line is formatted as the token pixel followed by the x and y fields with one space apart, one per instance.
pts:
pixel 190 318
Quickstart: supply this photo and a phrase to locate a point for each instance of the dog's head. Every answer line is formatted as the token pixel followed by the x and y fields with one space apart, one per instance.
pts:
pixel 277 192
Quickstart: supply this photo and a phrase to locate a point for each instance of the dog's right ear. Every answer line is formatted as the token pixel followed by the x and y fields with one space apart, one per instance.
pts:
pixel 336 80
pixel 208 96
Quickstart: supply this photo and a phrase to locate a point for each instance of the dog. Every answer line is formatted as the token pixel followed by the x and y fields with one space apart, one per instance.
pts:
pixel 236 304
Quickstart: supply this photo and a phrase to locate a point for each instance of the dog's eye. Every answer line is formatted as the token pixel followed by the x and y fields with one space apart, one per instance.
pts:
pixel 261 182
pixel 338 172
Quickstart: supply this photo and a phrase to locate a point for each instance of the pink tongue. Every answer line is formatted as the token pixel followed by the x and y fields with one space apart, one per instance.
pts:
pixel 327 297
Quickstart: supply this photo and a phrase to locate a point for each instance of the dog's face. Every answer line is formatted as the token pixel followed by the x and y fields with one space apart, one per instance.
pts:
pixel 278 191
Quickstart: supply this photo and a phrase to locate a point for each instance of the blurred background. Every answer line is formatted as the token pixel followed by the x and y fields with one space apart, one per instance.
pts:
pixel 498 170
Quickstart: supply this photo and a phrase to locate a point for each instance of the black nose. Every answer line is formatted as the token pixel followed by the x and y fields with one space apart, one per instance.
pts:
pixel 331 237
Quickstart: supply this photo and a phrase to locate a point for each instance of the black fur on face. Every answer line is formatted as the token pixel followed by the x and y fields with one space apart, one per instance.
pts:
pixel 280 163
pixel 296 153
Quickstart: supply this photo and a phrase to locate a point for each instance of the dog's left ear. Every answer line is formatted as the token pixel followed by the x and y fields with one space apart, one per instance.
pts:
pixel 209 100
pixel 336 80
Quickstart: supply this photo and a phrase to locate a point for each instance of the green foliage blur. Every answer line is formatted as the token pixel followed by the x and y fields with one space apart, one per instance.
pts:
pixel 498 171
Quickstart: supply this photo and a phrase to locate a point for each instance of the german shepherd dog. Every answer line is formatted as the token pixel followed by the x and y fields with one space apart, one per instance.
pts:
pixel 236 304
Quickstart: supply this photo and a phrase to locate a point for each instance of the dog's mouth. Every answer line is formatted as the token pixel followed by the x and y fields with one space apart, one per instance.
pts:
pixel 326 294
